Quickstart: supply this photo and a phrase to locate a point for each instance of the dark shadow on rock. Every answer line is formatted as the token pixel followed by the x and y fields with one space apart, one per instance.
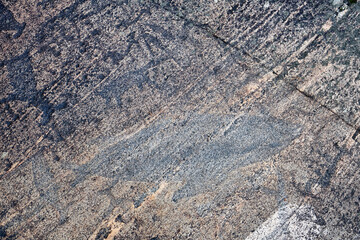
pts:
pixel 9 23
pixel 22 79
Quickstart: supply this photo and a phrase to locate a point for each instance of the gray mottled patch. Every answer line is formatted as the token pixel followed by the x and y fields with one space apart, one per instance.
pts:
pixel 203 149
pixel 46 185
pixel 9 23
pixel 291 222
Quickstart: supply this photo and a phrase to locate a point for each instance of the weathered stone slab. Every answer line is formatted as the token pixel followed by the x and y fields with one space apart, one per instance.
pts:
pixel 80 89
pixel 317 41
pixel 140 120
pixel 328 69
pixel 270 31
pixel 79 74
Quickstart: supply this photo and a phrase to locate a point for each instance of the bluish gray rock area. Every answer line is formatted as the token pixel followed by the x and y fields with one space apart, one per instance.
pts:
pixel 203 158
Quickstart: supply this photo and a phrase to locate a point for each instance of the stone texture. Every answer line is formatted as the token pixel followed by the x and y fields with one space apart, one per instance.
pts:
pixel 179 120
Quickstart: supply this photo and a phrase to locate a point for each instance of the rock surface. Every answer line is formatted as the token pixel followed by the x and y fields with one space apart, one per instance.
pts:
pixel 179 119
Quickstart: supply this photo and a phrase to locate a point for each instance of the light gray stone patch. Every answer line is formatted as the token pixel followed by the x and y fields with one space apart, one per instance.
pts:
pixel 290 222
pixel 197 146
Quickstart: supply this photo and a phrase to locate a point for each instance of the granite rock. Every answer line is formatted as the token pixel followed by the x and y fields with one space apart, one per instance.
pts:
pixel 179 119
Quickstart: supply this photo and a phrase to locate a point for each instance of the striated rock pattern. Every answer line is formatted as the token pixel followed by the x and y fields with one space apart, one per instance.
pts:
pixel 154 119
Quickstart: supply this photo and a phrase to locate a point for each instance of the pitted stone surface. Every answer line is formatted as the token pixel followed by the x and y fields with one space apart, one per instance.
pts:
pixel 179 119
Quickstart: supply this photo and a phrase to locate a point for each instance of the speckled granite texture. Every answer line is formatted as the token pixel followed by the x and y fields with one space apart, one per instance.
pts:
pixel 179 119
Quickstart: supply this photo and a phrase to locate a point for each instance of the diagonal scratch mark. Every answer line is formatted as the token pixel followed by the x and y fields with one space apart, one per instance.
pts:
pixel 206 28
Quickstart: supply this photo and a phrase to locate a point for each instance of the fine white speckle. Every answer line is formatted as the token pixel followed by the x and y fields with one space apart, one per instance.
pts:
pixel 267 4
pixel 341 14
pixel 4 154
pixel 337 2
pixel 326 27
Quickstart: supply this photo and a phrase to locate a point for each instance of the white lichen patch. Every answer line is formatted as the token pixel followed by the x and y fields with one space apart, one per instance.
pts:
pixel 337 2
pixel 267 4
pixel 290 222
pixel 4 154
